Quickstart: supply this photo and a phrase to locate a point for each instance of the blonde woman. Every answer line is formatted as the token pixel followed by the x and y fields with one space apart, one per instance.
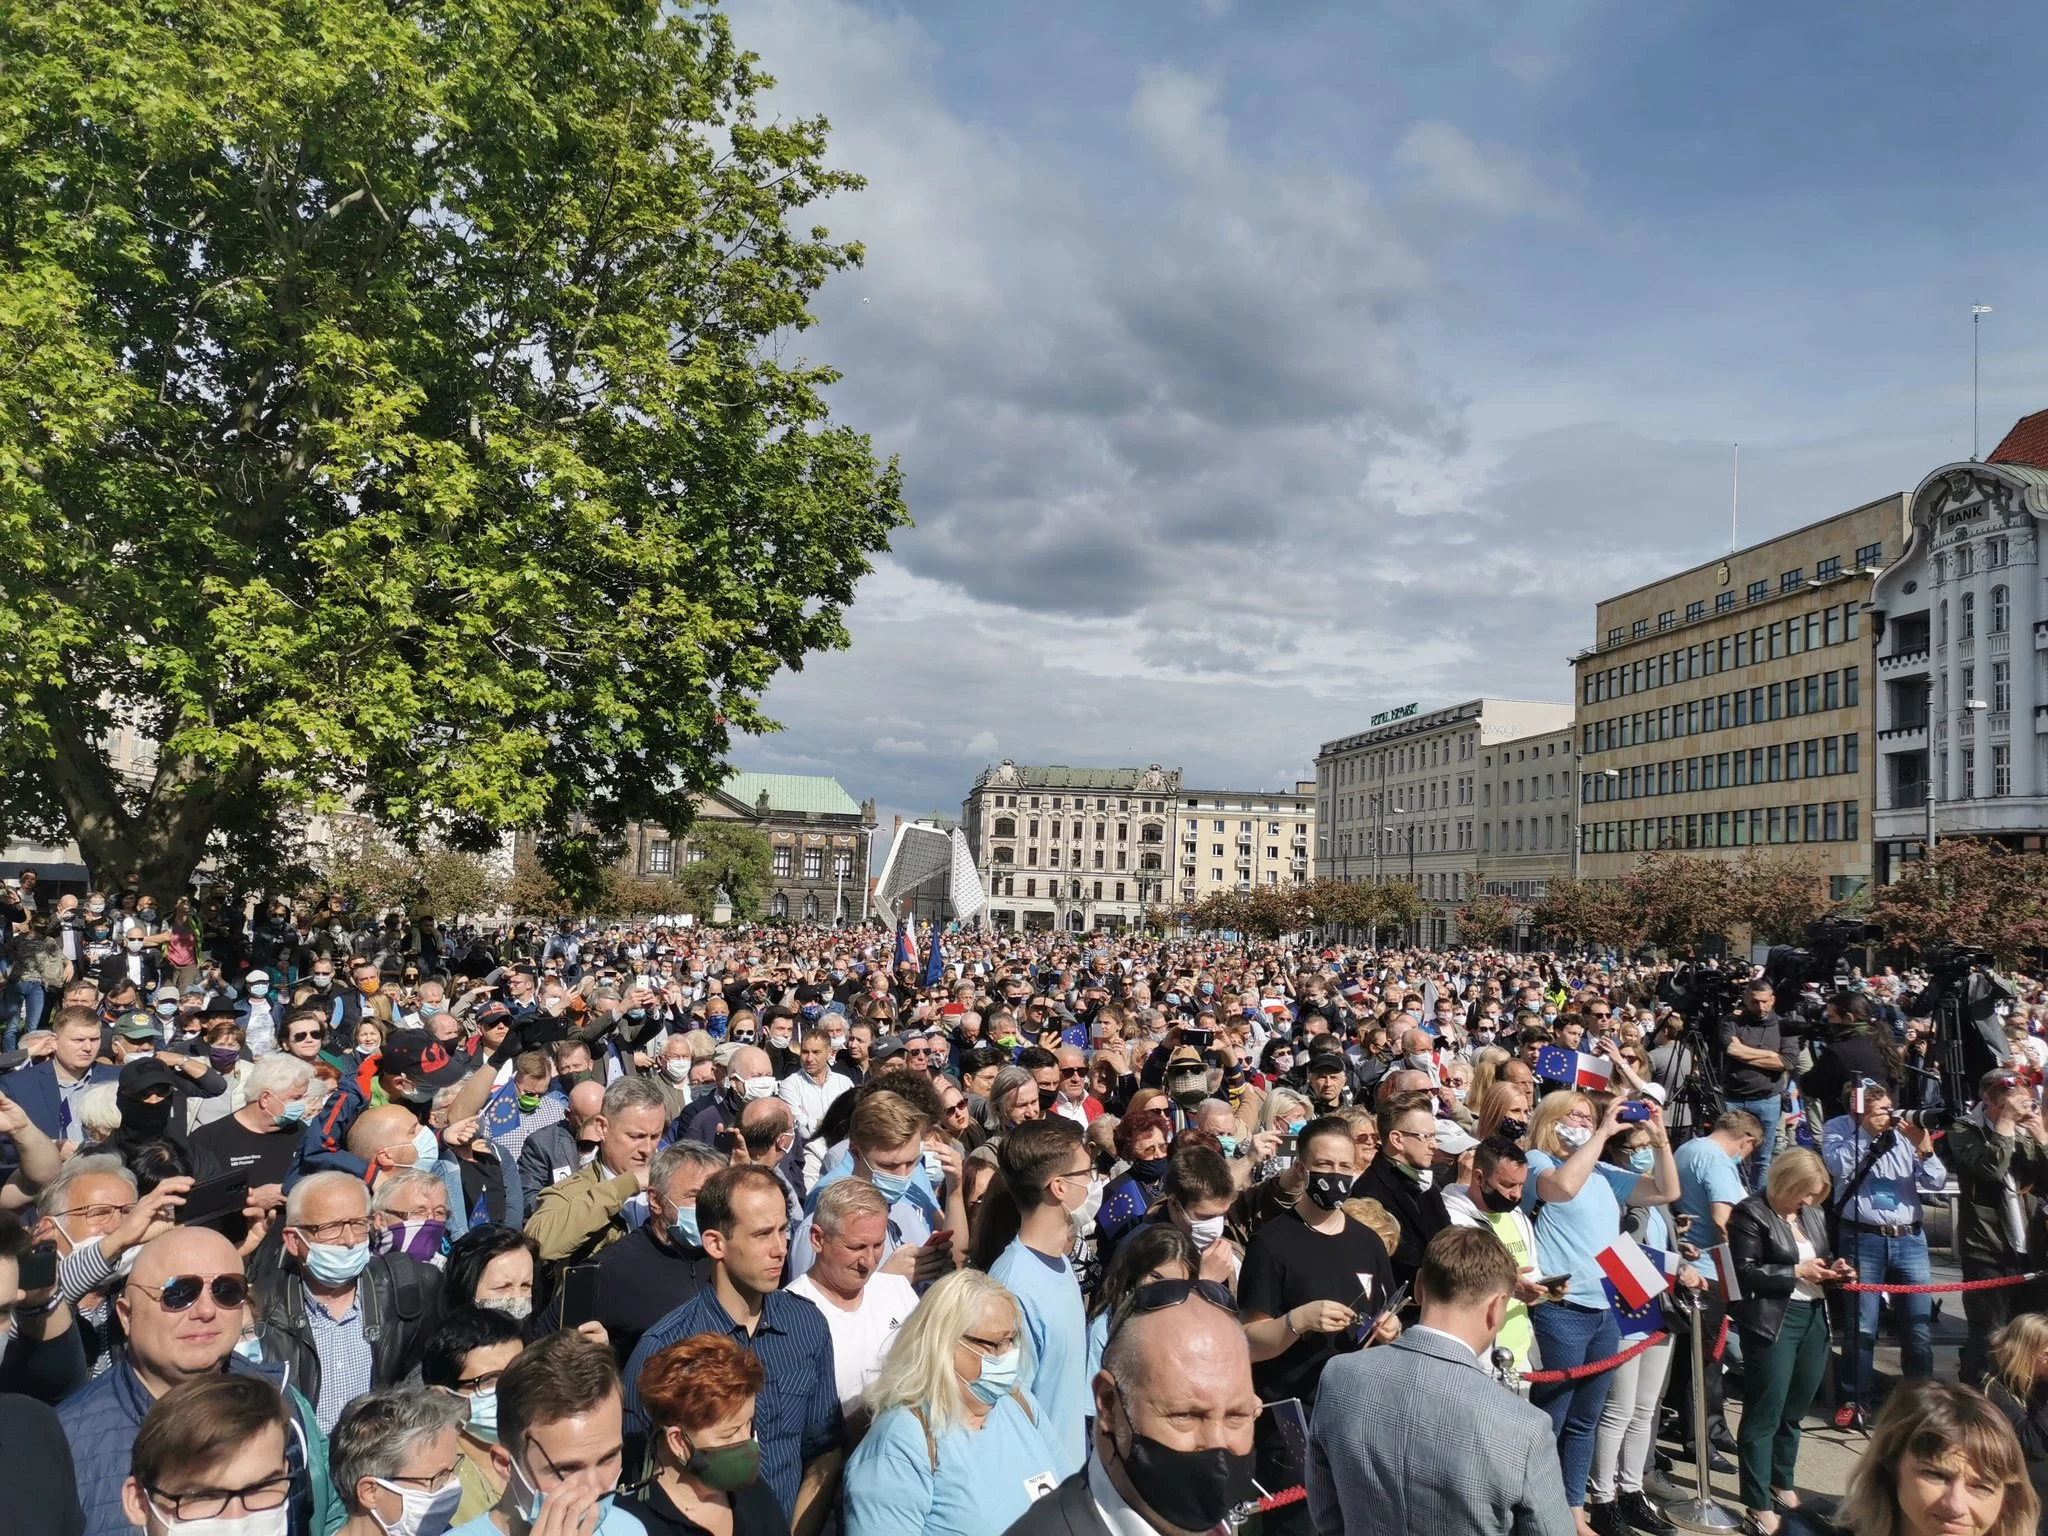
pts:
pixel 1504 1112
pixel 1778 1243
pixel 1581 1198
pixel 2019 1382
pixel 957 1447
pixel 1942 1461
pixel 1485 1071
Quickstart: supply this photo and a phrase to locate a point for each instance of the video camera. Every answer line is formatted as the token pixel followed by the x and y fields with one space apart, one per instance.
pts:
pixel 1697 992
pixel 1806 977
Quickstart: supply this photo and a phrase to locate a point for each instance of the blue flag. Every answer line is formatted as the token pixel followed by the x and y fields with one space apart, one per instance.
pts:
pixel 935 962
pixel 500 1114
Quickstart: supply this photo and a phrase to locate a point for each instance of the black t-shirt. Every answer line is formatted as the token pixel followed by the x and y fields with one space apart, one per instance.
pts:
pixel 264 1157
pixel 1288 1263
pixel 1740 1080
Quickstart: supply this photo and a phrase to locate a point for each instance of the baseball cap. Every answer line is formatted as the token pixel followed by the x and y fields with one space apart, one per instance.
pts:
pixel 418 1055
pixel 886 1048
pixel 165 995
pixel 1453 1140
pixel 144 1076
pixel 136 1026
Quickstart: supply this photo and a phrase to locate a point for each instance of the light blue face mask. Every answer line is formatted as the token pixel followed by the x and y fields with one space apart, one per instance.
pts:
pixel 531 1498
pixel 684 1225
pixel 426 1146
pixel 1228 1144
pixel 892 1186
pixel 998 1378
pixel 483 1416
pixel 250 1348
pixel 1643 1159
pixel 293 1113
pixel 336 1263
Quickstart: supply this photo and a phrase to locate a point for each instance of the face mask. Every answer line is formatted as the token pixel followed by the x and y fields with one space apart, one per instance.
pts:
pixel 1085 1211
pixel 998 1378
pixel 1574 1136
pixel 758 1087
pixel 223 1057
pixel 1329 1190
pixel 1228 1144
pixel 1418 1061
pixel 144 1120
pixel 636 1013
pixel 336 1263
pixel 1283 1062
pixel 426 1146
pixel 133 946
pixel 779 1042
pixel 166 1010
pixel 259 989
pixel 483 1416
pixel 677 1068
pixel 293 1113
pixel 421 1513
pixel 1643 1159
pixel 422 1240
pixel 1482 1037
pixel 249 1349
pixel 1423 1177
pixel 555 1007
pixel 96 908
pixel 267 1522
pixel 527 1102
pixel 1150 1169
pixel 683 1225
pixel 726 1468
pixel 1206 1231
pixel 891 1186
pixel 518 1308
pixel 1499 1203
pixel 322 981
pixel 1189 1490
pixel 370 986
pixel 1513 1129
pixel 431 1010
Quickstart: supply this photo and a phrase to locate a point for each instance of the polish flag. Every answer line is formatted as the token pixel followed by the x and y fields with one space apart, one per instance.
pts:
pixel 1574 1069
pixel 1635 1276
pixel 1725 1278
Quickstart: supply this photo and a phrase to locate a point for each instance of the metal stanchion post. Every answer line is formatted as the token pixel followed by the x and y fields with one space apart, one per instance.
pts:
pixel 1704 1513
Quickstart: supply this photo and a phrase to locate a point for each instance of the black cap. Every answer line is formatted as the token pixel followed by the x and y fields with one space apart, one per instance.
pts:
pixel 415 1054
pixel 885 1048
pixel 143 1077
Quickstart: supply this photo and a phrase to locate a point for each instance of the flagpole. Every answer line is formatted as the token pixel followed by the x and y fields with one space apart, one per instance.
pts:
pixel 1977 312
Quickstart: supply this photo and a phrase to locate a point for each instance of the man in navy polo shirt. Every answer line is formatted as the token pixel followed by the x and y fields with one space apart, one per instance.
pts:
pixel 743 1225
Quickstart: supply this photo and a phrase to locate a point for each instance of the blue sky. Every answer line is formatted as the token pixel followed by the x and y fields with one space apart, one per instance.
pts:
pixel 1255 367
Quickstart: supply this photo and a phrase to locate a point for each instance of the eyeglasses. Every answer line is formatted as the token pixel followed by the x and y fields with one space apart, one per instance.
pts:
pixel 987 1347
pixel 1073 1072
pixel 354 1230
pixel 298 1035
pixel 211 1503
pixel 487 1382
pixel 182 1291
pixel 96 1212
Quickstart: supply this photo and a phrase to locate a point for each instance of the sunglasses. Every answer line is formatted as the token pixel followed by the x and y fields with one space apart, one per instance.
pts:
pixel 1158 1295
pixel 182 1291
pixel 301 1034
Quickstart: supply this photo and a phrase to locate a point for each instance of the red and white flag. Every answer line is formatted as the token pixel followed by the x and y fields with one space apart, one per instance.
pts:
pixel 1635 1276
pixel 1725 1278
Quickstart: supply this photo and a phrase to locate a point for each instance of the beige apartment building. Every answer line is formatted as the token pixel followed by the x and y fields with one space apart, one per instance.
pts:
pixel 1448 800
pixel 1239 839
pixel 1731 705
pixel 1076 850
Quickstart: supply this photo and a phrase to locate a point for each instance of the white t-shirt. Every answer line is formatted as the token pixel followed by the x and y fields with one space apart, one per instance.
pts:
pixel 861 1338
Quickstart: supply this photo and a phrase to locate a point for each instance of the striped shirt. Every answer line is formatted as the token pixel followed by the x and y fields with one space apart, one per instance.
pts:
pixel 796 1417
pixel 347 1365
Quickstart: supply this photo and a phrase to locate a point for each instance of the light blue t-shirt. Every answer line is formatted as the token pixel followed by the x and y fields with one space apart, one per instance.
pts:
pixel 1050 1298
pixel 1571 1233
pixel 986 1478
pixel 1707 1176
pixel 1098 1341
pixel 616 1522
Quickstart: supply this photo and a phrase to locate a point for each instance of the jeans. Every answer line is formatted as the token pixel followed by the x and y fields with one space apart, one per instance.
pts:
pixel 1890 1261
pixel 1570 1335
pixel 1628 1426
pixel 1771 1111
pixel 1778 1384
pixel 30 1014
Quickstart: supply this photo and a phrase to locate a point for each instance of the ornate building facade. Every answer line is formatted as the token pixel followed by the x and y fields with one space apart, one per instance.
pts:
pixel 1078 850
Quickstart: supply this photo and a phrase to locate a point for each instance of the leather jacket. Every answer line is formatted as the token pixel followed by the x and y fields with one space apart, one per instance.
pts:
pixel 400 1300
pixel 1766 1252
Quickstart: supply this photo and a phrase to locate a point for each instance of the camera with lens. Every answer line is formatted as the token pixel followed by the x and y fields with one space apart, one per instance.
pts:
pixel 1927 1119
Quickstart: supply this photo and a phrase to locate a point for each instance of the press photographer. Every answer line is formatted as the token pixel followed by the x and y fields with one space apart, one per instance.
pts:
pixel 2000 1155
pixel 1853 1051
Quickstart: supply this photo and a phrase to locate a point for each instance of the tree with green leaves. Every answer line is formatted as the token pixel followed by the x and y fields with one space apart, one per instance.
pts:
pixel 400 410
pixel 1682 900
pixel 728 856
pixel 1486 918
pixel 375 873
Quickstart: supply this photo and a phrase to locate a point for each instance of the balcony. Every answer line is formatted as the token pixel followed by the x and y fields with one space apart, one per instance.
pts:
pixel 1998 645
pixel 2041 635
pixel 1908 796
pixel 1904 732
pixel 1900 661
pixel 2000 723
pixel 1297 863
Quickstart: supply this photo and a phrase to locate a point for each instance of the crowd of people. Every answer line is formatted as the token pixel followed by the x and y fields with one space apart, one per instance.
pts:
pixel 311 1223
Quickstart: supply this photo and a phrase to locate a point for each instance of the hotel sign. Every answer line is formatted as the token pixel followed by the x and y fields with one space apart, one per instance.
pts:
pixel 1402 713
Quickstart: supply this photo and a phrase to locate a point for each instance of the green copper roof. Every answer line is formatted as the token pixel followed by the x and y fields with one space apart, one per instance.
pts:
pixel 793 793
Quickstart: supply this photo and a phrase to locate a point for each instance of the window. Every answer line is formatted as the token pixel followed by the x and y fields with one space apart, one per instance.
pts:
pixel 1941 625
pixel 1640 628
pixel 1695 611
pixel 1759 590
pixel 781 864
pixel 2001 610
pixel 1724 602
pixel 1966 560
pixel 1828 569
pixel 1793 579
pixel 842 863
pixel 2001 685
pixel 2001 770
pixel 1006 826
pixel 661 856
pixel 1870 554
pixel 1966 617
pixel 1614 635
pixel 1995 551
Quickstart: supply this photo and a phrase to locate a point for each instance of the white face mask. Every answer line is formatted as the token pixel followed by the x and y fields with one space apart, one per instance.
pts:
pixel 677 1068
pixel 518 1308
pixel 1206 1231
pixel 1574 1136
pixel 420 1513
pixel 264 1522
pixel 759 1087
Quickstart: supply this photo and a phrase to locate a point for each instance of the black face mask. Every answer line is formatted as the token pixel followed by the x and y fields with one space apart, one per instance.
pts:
pixel 1514 1130
pixel 1499 1203
pixel 1329 1190
pixel 1190 1490
pixel 145 1121
pixel 1150 1169
pixel 1047 1097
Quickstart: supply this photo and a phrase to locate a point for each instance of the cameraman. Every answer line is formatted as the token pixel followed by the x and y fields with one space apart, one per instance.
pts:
pixel 1753 1042
pixel 1880 1165
pixel 2000 1155
pixel 1855 1053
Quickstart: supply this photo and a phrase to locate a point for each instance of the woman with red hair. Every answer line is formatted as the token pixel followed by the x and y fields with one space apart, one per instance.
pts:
pixel 1141 1142
pixel 698 1396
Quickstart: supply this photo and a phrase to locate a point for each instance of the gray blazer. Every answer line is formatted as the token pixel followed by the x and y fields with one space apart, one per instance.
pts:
pixel 1415 1437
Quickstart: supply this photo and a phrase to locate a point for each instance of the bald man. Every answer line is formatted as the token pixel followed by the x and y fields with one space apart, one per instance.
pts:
pixel 182 1309
pixel 554 1152
pixel 1181 1379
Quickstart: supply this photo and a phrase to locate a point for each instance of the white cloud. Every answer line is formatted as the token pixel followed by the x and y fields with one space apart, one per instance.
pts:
pixel 1494 181
pixel 889 746
pixel 981 744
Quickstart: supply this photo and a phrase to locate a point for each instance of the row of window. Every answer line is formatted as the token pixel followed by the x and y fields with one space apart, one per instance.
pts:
pixel 1809 695
pixel 1997 551
pixel 814 864
pixel 1758 591
pixel 1966 768
pixel 1006 885
pixel 1815 757
pixel 1831 821
pixel 1079 803
pixel 1835 625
